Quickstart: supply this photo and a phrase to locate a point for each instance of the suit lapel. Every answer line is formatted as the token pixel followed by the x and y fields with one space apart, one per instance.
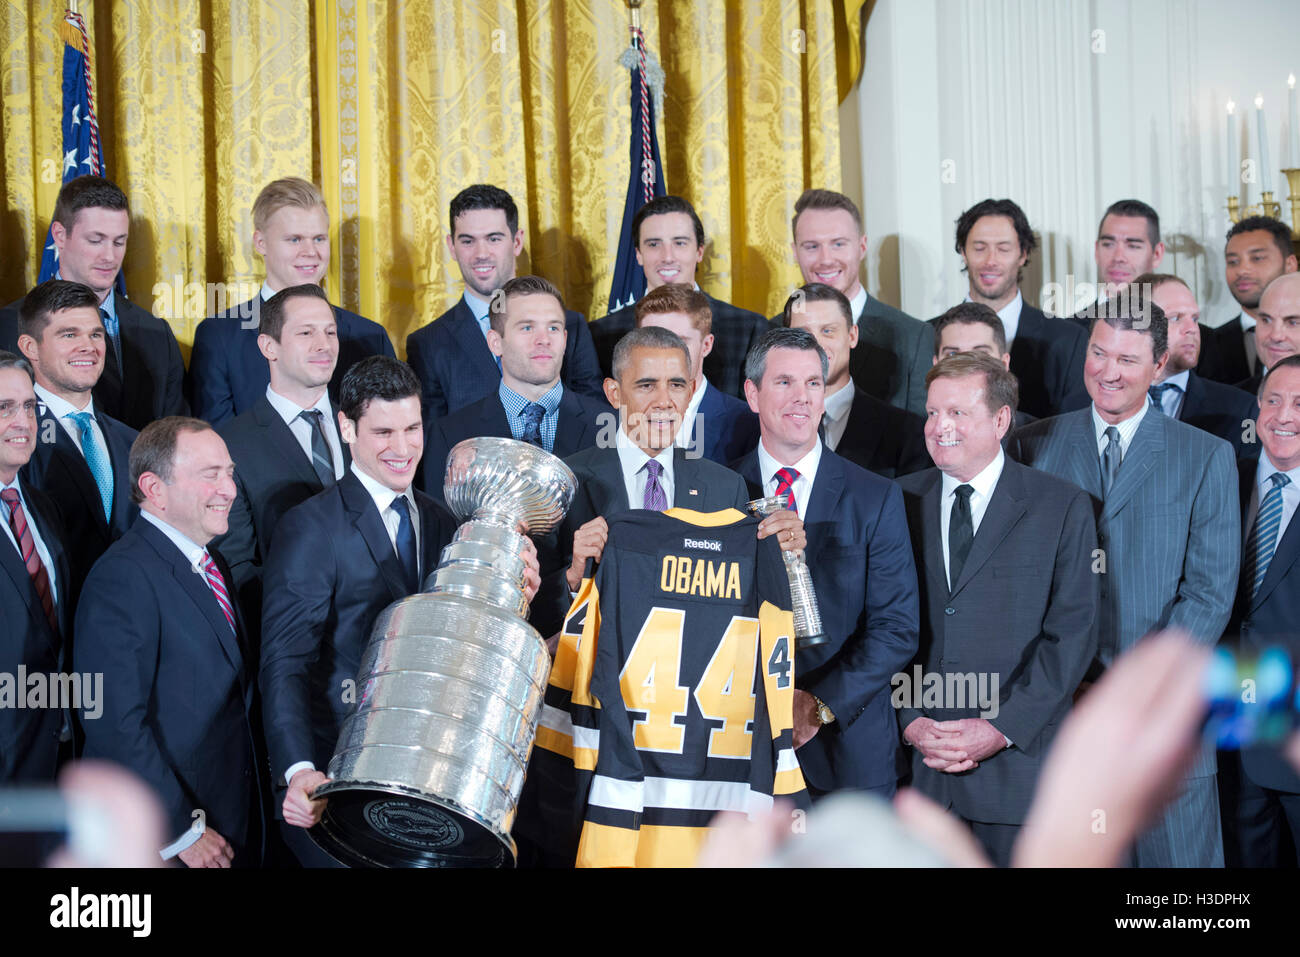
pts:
pixel 12 563
pixel 570 424
pixel 1146 448
pixel 281 439
pixel 827 488
pixel 1005 509
pixel 749 472
pixel 1192 398
pixel 931 532
pixel 1081 452
pixel 470 339
pixel 862 433
pixel 368 523
pixel 688 491
pixel 77 467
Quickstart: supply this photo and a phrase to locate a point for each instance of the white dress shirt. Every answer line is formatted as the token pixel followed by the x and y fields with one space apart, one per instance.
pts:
pixel 61 409
pixel 1248 339
pixel 1127 429
pixel 836 415
pixel 41 550
pixel 687 431
pixel 858 303
pixel 983 485
pixel 802 487
pixel 1290 496
pixel 1171 401
pixel 194 554
pixel 290 411
pixel 633 461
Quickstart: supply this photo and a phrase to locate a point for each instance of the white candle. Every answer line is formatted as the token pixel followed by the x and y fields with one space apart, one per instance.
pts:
pixel 1234 165
pixel 1265 177
pixel 1293 117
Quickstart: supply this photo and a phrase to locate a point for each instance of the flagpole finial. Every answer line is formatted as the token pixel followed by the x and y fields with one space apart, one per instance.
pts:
pixel 634 12
pixel 72 6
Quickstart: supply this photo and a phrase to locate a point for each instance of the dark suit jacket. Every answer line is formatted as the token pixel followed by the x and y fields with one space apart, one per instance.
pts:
pixel 1223 353
pixel 735 331
pixel 1220 410
pixel 229 374
pixel 861 563
pixel 1047 357
pixel 272 475
pixel 1269 618
pixel 1030 570
pixel 331 571
pixel 883 439
pixel 151 383
pixel 59 470
pixel 724 427
pixel 455 366
pixel 581 419
pixel 178 685
pixel 893 354
pixel 29 737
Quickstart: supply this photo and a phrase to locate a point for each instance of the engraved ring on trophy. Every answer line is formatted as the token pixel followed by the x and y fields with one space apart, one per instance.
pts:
pixel 808 629
pixel 428 769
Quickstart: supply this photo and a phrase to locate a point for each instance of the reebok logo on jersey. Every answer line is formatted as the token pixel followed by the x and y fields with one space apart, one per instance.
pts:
pixel 711 544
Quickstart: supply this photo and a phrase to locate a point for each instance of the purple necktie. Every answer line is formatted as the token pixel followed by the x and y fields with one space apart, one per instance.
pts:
pixel 655 499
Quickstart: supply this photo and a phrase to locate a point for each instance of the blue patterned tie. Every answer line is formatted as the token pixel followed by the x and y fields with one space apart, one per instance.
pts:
pixel 1263 537
pixel 655 499
pixel 406 543
pixel 114 333
pixel 1157 393
pixel 533 414
pixel 96 459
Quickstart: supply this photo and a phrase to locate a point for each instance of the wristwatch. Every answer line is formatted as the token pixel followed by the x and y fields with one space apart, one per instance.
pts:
pixel 824 714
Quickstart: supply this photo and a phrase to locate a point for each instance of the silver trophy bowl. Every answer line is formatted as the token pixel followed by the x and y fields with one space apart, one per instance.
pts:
pixel 427 771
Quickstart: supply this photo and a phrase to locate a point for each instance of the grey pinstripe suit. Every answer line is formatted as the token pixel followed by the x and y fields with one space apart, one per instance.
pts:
pixel 1170 531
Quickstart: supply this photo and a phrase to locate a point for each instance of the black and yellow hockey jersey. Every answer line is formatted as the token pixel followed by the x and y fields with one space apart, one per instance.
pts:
pixel 672 693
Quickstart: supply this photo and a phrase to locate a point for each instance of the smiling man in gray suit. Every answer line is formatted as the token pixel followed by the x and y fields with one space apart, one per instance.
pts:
pixel 1169 530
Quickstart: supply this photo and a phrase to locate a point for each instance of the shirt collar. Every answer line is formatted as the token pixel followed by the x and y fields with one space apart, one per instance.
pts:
pixel 1247 321
pixel 983 483
pixel 479 307
pixel 1267 468
pixel 633 460
pixel 1179 380
pixel 1127 429
pixel 858 303
pixel 60 407
pixel 289 410
pixel 382 495
pixel 266 292
pixel 515 403
pixel 686 433
pixel 806 466
pixel 838 403
pixel 191 549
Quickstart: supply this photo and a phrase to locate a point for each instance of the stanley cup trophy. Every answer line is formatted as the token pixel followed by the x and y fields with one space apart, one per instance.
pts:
pixel 808 629
pixel 428 769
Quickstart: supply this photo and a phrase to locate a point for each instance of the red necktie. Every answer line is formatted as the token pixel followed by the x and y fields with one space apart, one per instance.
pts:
pixel 27 548
pixel 218 586
pixel 785 479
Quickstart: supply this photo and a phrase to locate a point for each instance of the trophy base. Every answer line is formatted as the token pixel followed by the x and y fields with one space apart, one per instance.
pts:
pixel 810 641
pixel 377 826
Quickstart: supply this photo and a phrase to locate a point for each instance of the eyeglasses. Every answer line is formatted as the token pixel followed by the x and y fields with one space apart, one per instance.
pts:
pixel 9 409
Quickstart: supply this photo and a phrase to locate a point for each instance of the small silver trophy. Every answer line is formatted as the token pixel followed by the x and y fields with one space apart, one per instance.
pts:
pixel 808 629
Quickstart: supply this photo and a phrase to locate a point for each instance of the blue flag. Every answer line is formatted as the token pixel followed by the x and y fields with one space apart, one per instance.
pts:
pixel 82 151
pixel 645 182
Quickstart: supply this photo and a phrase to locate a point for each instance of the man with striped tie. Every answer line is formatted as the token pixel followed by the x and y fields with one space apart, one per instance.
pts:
pixel 81 453
pixel 1264 805
pixel 157 620
pixel 33 584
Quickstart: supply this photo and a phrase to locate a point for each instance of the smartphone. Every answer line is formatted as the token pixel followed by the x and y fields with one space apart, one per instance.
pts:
pixel 1253 698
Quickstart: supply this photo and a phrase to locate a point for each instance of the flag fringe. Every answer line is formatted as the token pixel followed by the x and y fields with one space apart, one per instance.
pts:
pixel 70 34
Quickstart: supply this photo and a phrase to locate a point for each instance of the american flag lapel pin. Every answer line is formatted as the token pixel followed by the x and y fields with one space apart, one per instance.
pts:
pixel 692 492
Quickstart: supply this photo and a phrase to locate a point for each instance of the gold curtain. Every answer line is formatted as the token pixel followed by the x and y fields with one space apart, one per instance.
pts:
pixel 394 107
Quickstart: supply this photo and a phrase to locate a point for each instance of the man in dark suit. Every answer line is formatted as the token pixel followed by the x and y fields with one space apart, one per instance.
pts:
pixel 143 375
pixel 286 446
pixel 893 350
pixel 974 327
pixel 1128 245
pixel 531 404
pixel 82 455
pixel 336 562
pixel 1277 331
pixel 33 585
pixel 994 241
pixel 716 424
pixel 157 618
pixel 228 374
pixel 1259 250
pixel 1168 530
pixel 669 247
pixel 1181 393
pixel 855 426
pixel 861 564
pixel 993 540
pixel 450 355
pixel 1264 810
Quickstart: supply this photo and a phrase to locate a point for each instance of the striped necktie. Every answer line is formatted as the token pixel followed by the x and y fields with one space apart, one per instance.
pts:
pixel 785 479
pixel 322 459
pixel 31 559
pixel 218 586
pixel 1263 536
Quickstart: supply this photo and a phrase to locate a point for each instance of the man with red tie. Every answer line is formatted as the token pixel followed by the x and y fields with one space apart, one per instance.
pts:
pixel 33 584
pixel 157 620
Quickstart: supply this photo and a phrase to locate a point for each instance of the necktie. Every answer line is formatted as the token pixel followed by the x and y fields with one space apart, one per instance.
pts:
pixel 321 458
pixel 218 585
pixel 1263 536
pixel 1157 393
pixel 533 414
pixel 406 543
pixel 1111 457
pixel 27 549
pixel 114 335
pixel 961 532
pixel 96 459
pixel 785 479
pixel 655 499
